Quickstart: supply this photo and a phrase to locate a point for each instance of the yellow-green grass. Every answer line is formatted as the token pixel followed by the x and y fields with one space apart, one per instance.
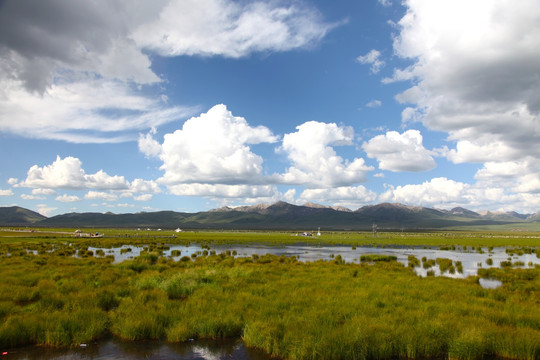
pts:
pixel 318 310
pixel 117 237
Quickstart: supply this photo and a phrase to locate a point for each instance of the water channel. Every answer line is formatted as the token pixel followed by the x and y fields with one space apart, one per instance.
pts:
pixel 118 349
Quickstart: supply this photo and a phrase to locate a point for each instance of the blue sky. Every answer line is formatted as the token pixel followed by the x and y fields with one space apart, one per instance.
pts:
pixel 191 105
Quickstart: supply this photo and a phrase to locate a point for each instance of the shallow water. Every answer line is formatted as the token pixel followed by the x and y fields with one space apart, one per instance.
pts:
pixel 470 260
pixel 117 349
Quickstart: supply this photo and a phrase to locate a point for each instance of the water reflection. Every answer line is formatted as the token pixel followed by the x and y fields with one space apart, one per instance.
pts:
pixel 117 349
pixel 470 261
pixel 489 283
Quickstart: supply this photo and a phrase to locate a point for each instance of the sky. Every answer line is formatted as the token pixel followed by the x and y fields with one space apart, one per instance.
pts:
pixel 189 105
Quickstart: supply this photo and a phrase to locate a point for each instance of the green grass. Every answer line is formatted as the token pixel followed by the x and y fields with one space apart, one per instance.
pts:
pixel 377 257
pixel 118 237
pixel 317 310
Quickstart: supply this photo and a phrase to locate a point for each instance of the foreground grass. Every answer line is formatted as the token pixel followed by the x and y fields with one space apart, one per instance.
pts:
pixel 320 310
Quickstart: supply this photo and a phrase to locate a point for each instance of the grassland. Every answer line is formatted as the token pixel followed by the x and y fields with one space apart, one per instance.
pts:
pixel 114 237
pixel 318 310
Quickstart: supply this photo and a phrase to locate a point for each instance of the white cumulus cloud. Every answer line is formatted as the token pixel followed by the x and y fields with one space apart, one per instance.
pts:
pixel 213 148
pixel 251 192
pixel 143 197
pixel 68 173
pixel 315 162
pixel 400 152
pixel 6 192
pixel 39 191
pixel 436 192
pixel 101 195
pixel 148 146
pixel 476 74
pixel 67 198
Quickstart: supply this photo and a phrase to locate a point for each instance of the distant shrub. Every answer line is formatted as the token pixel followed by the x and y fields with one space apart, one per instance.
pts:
pixel 377 257
pixel 413 261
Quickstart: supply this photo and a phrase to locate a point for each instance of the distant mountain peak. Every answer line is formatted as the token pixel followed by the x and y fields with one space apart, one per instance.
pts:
pixel 341 208
pixel 316 206
pixel 15 215
pixel 463 212
pixel 280 215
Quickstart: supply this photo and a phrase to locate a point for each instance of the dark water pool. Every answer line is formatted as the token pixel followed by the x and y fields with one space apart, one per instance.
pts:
pixel 117 349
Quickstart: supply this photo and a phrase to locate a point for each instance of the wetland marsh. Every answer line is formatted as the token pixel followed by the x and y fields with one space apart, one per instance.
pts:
pixel 57 291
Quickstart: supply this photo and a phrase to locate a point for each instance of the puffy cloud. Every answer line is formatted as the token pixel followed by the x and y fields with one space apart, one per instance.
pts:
pixel 144 186
pixel 13 181
pixel 93 195
pixel 67 173
pixel 315 162
pixel 400 152
pixel 528 184
pixel 230 29
pixel 517 176
pixel 476 75
pixel 446 193
pixel 213 148
pixel 67 198
pixel 6 192
pixel 498 171
pixel 143 197
pixel 437 192
pixel 225 191
pixel 373 58
pixel 148 146
pixel 476 72
pixel 482 149
pixel 32 197
pixel 43 191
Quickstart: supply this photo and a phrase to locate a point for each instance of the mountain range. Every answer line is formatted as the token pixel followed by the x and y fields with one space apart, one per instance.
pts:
pixel 279 216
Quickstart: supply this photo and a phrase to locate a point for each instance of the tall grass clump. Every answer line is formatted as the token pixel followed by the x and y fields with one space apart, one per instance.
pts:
pixel 413 261
pixel 377 257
